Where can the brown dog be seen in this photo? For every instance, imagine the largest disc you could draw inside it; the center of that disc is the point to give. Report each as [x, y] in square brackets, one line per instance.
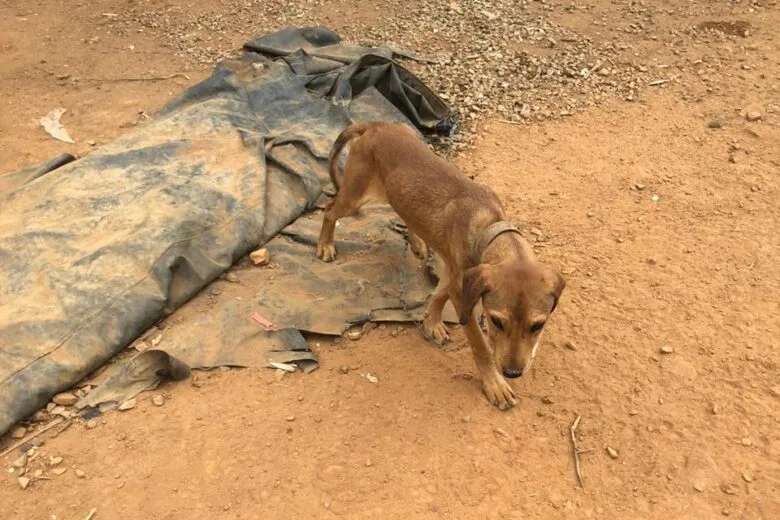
[481, 255]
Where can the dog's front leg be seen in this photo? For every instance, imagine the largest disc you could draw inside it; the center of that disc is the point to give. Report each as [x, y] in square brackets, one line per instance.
[496, 388]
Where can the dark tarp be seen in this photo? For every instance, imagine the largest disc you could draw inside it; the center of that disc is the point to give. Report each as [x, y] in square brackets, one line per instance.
[95, 251]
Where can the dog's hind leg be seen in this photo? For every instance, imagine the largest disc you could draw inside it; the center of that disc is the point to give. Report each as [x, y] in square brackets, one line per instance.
[353, 193]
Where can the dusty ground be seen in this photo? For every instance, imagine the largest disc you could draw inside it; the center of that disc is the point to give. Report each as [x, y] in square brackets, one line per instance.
[665, 228]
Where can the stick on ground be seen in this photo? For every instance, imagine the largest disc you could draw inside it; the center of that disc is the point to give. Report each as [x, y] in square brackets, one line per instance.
[577, 450]
[49, 426]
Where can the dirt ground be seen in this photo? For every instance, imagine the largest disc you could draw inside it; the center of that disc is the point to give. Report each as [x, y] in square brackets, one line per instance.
[662, 212]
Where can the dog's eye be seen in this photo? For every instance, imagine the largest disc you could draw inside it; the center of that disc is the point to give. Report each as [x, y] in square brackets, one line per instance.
[536, 327]
[497, 324]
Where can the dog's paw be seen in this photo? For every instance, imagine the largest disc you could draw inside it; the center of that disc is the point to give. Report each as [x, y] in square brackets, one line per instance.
[418, 247]
[436, 331]
[326, 252]
[498, 392]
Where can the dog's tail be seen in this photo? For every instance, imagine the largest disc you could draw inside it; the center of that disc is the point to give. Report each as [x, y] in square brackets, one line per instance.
[353, 131]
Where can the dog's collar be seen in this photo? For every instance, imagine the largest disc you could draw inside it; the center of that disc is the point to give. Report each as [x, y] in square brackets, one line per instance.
[490, 234]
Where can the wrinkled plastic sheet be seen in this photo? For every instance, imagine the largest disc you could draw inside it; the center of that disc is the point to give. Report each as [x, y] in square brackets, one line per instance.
[94, 251]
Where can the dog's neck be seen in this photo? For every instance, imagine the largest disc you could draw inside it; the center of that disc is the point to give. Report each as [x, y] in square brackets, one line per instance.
[487, 237]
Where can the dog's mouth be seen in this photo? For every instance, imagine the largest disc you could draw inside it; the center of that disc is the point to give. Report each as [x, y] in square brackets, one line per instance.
[511, 373]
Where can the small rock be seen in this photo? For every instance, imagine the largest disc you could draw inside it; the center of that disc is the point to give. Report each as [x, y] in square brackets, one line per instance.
[747, 441]
[65, 399]
[127, 405]
[547, 399]
[775, 390]
[23, 482]
[18, 432]
[570, 345]
[91, 424]
[613, 453]
[753, 115]
[715, 409]
[639, 186]
[231, 277]
[344, 369]
[40, 416]
[215, 291]
[158, 400]
[290, 418]
[260, 257]
[369, 463]
[747, 478]
[91, 142]
[55, 461]
[729, 490]
[699, 486]
[715, 123]
[59, 471]
[20, 462]
[725, 512]
[456, 8]
[38, 473]
[79, 473]
[371, 378]
[655, 198]
[354, 335]
[651, 261]
[666, 349]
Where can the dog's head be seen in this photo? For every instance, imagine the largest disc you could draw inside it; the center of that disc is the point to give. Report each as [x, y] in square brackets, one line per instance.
[518, 299]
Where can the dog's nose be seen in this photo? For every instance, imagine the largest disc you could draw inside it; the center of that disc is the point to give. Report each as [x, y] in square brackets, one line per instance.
[511, 373]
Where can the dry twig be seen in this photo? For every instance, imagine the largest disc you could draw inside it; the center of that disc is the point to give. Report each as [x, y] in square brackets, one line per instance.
[151, 78]
[577, 450]
[91, 514]
[49, 426]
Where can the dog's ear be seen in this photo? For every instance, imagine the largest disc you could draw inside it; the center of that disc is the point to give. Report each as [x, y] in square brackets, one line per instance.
[477, 281]
[558, 285]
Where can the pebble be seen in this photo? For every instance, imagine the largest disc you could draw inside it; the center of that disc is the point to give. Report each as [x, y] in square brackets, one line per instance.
[355, 335]
[215, 291]
[344, 369]
[59, 471]
[715, 123]
[55, 461]
[725, 512]
[369, 463]
[699, 486]
[639, 187]
[655, 198]
[666, 349]
[232, 278]
[775, 390]
[547, 399]
[20, 462]
[91, 142]
[753, 115]
[91, 424]
[747, 441]
[260, 257]
[290, 418]
[18, 432]
[79, 473]
[570, 345]
[715, 409]
[747, 478]
[23, 482]
[613, 453]
[158, 400]
[127, 405]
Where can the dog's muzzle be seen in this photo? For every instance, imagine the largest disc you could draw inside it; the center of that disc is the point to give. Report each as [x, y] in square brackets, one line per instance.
[511, 373]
